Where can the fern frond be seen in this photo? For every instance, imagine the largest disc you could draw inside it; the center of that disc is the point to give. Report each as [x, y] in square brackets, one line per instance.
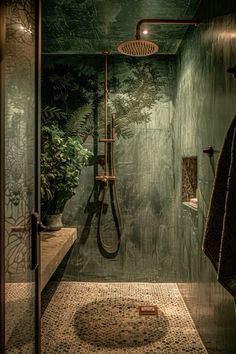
[77, 123]
[48, 113]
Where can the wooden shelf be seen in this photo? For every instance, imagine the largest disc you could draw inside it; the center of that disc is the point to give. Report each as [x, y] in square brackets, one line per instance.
[54, 247]
[193, 206]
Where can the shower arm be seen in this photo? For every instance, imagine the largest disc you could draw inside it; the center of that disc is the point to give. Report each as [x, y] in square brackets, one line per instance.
[162, 22]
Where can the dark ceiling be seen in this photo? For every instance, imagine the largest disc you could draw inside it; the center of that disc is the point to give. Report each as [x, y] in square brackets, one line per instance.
[94, 26]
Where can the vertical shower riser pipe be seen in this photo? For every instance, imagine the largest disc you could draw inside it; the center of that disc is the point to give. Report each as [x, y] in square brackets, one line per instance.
[105, 110]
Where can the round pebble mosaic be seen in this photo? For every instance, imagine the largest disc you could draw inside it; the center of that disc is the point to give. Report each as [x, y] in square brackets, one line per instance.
[104, 318]
[116, 323]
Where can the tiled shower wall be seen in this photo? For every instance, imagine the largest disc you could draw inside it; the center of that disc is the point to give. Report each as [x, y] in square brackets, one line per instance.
[204, 107]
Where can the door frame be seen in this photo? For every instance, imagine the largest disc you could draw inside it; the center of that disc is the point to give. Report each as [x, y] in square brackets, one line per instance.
[2, 185]
[38, 63]
[38, 40]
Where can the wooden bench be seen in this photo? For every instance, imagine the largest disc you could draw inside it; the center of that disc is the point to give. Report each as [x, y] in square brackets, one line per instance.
[54, 247]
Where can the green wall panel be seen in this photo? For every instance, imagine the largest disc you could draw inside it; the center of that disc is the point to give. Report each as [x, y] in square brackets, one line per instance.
[204, 107]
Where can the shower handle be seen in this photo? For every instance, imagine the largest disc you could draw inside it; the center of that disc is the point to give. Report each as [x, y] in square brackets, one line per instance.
[35, 240]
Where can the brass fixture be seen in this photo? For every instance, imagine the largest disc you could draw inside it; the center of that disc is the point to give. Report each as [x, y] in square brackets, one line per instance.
[139, 47]
[103, 140]
[148, 310]
[105, 178]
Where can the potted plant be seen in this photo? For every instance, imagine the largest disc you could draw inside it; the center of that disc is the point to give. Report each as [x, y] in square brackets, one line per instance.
[62, 159]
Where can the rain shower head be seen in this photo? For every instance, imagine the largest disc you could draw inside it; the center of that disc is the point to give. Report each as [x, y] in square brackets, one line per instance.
[139, 47]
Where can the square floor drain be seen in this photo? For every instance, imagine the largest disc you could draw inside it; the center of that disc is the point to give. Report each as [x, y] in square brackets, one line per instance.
[148, 310]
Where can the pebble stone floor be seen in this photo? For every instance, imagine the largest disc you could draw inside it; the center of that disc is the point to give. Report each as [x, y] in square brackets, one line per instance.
[19, 314]
[88, 318]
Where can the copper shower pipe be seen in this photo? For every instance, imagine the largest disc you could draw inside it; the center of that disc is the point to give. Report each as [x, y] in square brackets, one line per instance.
[162, 22]
[105, 110]
[106, 177]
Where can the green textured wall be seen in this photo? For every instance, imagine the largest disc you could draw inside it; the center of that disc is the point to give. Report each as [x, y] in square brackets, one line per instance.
[92, 26]
[142, 90]
[204, 107]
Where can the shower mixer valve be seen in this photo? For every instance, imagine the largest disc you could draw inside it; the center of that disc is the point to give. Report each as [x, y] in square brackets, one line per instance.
[105, 179]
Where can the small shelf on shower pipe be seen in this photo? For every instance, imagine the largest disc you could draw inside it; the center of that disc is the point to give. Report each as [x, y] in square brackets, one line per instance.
[103, 140]
[54, 247]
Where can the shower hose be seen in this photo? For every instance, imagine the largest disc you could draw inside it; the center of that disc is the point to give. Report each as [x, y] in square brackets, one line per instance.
[108, 185]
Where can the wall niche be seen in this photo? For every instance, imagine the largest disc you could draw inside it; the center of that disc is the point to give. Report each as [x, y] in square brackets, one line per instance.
[189, 181]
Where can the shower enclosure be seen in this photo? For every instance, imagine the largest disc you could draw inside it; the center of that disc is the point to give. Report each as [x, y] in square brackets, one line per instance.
[168, 108]
[19, 73]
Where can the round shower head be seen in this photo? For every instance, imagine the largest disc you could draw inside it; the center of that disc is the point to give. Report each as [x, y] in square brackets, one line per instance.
[137, 48]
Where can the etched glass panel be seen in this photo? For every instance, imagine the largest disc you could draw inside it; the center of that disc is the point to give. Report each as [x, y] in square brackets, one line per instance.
[19, 174]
